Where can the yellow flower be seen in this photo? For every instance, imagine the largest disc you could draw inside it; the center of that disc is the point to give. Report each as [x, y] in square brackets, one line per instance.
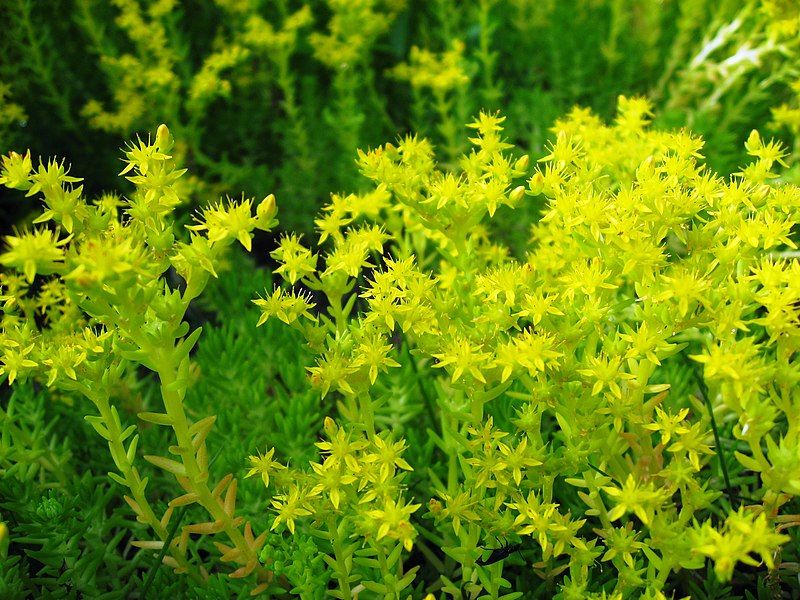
[668, 424]
[439, 72]
[16, 362]
[645, 342]
[332, 221]
[349, 257]
[606, 370]
[692, 441]
[622, 541]
[563, 152]
[465, 357]
[340, 448]
[34, 252]
[51, 177]
[393, 521]
[64, 359]
[263, 465]
[296, 260]
[332, 477]
[373, 352]
[685, 285]
[16, 171]
[387, 456]
[518, 459]
[536, 351]
[291, 506]
[743, 534]
[633, 114]
[111, 259]
[235, 221]
[288, 307]
[633, 497]
[537, 305]
[535, 517]
[332, 371]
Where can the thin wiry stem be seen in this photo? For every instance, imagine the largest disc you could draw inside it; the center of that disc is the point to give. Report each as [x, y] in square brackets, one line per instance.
[703, 389]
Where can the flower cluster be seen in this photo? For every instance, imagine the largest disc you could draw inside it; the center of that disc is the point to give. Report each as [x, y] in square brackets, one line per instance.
[437, 72]
[352, 29]
[656, 302]
[356, 489]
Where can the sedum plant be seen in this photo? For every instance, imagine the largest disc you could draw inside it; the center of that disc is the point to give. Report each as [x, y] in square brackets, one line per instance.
[98, 289]
[609, 414]
[595, 419]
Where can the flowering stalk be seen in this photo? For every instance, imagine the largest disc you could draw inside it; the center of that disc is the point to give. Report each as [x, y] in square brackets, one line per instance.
[109, 309]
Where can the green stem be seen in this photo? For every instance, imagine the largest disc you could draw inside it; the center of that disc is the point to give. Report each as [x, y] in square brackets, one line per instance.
[172, 531]
[131, 477]
[386, 575]
[476, 406]
[195, 473]
[447, 125]
[335, 309]
[486, 56]
[618, 18]
[296, 135]
[452, 454]
[342, 572]
[601, 507]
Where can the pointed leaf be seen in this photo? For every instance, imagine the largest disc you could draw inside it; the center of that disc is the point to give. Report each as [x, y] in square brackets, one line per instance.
[117, 478]
[171, 466]
[99, 426]
[185, 347]
[156, 418]
[184, 500]
[127, 433]
[131, 453]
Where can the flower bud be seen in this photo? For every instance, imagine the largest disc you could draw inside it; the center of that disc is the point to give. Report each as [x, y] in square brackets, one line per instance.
[160, 240]
[329, 426]
[435, 507]
[164, 140]
[753, 143]
[516, 194]
[646, 169]
[265, 213]
[536, 183]
[167, 306]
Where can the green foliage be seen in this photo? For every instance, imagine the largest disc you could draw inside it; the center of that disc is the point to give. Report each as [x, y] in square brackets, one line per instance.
[29, 449]
[67, 536]
[549, 354]
[740, 70]
[69, 539]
